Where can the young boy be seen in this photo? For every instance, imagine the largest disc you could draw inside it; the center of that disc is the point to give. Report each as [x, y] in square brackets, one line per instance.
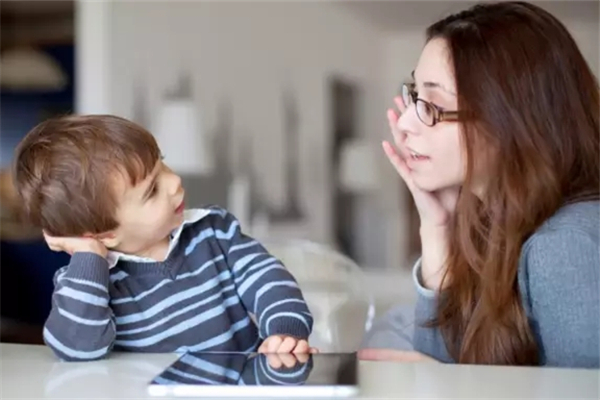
[145, 274]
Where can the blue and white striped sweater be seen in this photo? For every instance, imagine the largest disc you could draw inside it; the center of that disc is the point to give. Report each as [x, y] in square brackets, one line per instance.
[198, 299]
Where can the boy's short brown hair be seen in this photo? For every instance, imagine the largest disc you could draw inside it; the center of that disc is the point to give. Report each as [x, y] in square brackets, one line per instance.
[64, 171]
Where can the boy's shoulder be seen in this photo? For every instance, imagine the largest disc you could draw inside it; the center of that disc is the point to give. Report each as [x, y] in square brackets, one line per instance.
[207, 223]
[211, 216]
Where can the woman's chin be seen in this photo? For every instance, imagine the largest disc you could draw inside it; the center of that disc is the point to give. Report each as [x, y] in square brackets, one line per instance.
[431, 184]
[427, 185]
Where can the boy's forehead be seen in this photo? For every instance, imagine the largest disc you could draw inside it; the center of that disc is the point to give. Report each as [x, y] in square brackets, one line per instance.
[124, 186]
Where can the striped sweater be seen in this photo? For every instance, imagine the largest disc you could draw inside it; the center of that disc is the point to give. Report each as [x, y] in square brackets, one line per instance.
[214, 282]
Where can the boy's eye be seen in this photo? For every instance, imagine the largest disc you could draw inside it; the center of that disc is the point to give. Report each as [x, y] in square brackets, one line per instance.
[154, 190]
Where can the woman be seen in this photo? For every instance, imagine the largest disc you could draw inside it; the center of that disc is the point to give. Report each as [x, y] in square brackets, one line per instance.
[498, 143]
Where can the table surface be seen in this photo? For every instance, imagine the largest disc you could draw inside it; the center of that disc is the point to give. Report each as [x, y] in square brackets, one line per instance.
[29, 371]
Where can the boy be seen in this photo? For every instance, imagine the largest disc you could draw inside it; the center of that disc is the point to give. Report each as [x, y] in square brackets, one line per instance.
[146, 275]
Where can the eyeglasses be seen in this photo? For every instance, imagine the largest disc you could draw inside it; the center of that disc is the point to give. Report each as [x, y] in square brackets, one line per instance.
[428, 113]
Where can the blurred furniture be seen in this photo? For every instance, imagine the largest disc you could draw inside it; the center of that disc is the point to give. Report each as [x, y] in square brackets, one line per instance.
[178, 128]
[334, 289]
[27, 270]
[32, 372]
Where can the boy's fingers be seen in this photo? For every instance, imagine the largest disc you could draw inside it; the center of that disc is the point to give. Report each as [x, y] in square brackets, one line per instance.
[274, 360]
[301, 347]
[274, 344]
[302, 357]
[287, 345]
[264, 346]
[289, 360]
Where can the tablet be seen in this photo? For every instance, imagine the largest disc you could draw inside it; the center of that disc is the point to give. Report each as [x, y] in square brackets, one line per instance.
[258, 375]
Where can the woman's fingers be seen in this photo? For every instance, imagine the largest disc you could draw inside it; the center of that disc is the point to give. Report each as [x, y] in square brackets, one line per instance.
[398, 163]
[448, 198]
[393, 124]
[392, 355]
[400, 104]
[428, 205]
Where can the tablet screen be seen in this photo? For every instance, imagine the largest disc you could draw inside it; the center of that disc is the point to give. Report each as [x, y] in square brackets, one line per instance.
[238, 374]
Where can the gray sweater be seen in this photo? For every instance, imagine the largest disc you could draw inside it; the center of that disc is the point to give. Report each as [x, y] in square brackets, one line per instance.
[559, 282]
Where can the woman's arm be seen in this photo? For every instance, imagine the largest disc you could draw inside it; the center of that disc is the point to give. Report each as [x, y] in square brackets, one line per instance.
[427, 340]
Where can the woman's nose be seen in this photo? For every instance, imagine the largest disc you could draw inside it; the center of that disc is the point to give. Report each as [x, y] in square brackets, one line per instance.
[409, 123]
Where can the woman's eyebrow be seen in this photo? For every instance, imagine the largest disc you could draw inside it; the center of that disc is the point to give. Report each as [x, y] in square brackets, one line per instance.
[434, 85]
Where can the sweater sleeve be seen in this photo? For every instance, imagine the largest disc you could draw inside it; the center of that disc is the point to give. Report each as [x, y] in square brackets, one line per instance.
[80, 326]
[426, 340]
[559, 284]
[267, 289]
[393, 330]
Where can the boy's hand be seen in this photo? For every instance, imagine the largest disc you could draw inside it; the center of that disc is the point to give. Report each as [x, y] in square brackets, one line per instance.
[73, 245]
[286, 344]
[287, 360]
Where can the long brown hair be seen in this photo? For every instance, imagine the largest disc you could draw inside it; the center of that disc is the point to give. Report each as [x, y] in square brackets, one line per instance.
[531, 106]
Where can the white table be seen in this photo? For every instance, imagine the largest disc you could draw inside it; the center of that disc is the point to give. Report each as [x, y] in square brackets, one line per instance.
[32, 372]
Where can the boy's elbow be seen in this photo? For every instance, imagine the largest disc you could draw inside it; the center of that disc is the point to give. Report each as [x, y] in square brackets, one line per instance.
[72, 355]
[74, 358]
[77, 350]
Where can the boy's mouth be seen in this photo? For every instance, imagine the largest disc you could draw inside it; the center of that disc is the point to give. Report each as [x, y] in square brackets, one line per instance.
[180, 209]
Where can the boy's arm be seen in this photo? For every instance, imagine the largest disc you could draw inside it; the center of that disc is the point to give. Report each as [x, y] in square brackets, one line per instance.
[267, 289]
[81, 326]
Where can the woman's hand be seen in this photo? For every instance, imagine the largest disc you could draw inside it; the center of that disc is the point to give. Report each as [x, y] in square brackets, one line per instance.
[393, 355]
[435, 208]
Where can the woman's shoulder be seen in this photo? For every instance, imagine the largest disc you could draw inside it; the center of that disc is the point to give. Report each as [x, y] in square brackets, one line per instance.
[567, 243]
[582, 218]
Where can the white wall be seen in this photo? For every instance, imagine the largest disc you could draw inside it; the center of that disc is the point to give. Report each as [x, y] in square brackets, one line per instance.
[587, 35]
[246, 54]
[93, 48]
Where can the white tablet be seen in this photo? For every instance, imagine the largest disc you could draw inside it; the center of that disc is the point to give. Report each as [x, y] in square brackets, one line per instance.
[258, 375]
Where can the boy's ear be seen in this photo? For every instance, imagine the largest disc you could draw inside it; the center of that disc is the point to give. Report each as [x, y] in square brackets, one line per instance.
[108, 239]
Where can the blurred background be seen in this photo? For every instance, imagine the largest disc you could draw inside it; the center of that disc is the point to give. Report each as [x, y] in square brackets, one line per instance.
[275, 110]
